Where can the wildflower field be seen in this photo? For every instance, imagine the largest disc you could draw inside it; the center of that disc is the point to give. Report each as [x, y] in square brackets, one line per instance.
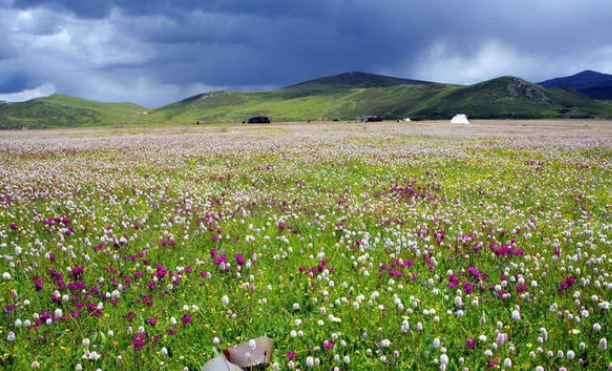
[422, 246]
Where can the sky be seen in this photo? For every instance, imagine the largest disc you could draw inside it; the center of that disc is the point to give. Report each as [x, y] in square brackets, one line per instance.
[159, 51]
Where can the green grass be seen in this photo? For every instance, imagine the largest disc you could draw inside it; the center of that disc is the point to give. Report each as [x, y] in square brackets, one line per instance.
[62, 111]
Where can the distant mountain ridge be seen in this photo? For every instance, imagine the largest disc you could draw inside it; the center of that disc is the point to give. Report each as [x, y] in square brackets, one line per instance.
[358, 79]
[356, 94]
[345, 96]
[593, 84]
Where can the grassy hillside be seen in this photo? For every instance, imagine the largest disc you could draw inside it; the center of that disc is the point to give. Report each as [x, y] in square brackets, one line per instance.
[349, 96]
[346, 96]
[64, 111]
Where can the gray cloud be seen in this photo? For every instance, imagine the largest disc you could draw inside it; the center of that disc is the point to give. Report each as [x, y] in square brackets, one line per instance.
[162, 51]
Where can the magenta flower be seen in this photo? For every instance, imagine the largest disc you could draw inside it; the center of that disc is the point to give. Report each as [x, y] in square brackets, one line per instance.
[240, 259]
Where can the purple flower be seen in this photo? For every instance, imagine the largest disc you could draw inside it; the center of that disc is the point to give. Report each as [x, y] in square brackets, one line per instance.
[240, 259]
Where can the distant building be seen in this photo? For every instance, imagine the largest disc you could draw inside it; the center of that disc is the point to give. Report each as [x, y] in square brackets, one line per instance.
[259, 120]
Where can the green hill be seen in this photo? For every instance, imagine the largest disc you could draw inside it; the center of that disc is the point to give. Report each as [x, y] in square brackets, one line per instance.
[346, 96]
[62, 111]
[353, 95]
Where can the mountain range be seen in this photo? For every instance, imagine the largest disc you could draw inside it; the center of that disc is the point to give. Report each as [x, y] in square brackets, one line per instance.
[593, 84]
[345, 96]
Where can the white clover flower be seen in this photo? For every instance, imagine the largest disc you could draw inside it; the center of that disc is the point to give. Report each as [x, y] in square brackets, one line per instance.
[444, 359]
[309, 361]
[225, 300]
[603, 344]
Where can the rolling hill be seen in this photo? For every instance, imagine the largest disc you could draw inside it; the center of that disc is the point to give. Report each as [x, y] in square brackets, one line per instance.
[62, 111]
[352, 95]
[346, 96]
[593, 84]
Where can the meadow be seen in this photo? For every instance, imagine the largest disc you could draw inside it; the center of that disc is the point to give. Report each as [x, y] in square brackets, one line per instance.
[394, 246]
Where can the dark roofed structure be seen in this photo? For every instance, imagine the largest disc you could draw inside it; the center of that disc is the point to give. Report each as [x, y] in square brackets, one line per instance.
[259, 120]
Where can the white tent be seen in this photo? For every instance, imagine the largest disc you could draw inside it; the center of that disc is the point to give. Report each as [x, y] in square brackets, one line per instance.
[460, 119]
[407, 119]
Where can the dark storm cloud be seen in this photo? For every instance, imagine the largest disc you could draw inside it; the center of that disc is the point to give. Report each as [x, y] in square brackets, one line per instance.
[153, 52]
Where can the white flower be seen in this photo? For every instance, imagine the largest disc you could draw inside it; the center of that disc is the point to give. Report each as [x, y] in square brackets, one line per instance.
[597, 327]
[216, 340]
[570, 354]
[347, 359]
[86, 342]
[225, 300]
[11, 336]
[603, 344]
[385, 343]
[164, 351]
[6, 276]
[58, 313]
[252, 344]
[436, 343]
[516, 315]
[309, 361]
[508, 363]
[444, 359]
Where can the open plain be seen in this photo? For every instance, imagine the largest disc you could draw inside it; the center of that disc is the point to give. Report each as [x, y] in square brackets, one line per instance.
[419, 245]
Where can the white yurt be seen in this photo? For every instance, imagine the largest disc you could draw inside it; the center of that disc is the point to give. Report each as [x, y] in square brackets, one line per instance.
[460, 119]
[407, 119]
